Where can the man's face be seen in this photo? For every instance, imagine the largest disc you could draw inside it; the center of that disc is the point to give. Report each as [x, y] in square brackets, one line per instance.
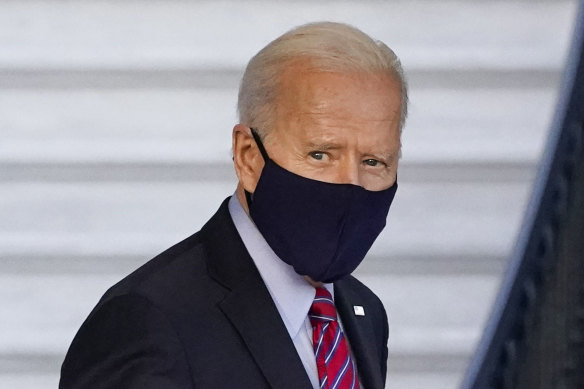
[339, 128]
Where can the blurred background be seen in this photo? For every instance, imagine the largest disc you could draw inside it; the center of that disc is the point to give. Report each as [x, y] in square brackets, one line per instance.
[115, 134]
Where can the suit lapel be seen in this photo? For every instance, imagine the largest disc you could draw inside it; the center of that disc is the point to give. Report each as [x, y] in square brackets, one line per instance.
[249, 306]
[359, 331]
[259, 324]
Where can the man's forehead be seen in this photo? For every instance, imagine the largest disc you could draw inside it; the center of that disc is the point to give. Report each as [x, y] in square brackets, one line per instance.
[312, 92]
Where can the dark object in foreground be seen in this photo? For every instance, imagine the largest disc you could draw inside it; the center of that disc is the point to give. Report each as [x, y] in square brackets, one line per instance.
[535, 336]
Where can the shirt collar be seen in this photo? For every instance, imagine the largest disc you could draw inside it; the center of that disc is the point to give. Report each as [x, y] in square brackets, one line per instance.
[292, 294]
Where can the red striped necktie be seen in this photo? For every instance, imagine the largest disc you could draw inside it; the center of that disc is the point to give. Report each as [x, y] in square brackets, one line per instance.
[333, 359]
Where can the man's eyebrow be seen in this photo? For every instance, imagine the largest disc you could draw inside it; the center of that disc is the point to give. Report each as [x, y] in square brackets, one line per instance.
[382, 153]
[324, 146]
[392, 155]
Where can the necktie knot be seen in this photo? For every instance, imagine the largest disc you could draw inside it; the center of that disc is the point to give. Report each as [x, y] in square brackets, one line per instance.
[323, 307]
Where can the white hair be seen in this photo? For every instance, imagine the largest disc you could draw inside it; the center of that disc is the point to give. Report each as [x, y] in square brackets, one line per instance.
[329, 46]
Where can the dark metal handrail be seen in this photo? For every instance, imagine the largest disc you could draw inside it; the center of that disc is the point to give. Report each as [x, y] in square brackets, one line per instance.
[535, 335]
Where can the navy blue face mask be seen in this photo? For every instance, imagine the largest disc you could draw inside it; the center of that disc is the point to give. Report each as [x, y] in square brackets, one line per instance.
[323, 230]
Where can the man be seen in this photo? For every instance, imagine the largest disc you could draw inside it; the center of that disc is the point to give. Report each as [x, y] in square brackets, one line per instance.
[247, 302]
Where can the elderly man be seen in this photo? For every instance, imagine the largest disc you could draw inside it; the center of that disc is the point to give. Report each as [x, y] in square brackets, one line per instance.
[262, 296]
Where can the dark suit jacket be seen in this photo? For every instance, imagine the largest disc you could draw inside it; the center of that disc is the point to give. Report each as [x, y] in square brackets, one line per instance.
[199, 316]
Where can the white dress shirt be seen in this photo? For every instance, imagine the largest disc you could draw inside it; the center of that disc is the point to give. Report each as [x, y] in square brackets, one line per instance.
[291, 293]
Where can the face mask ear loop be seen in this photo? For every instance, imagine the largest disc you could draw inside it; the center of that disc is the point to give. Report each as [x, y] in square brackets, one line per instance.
[258, 141]
[256, 137]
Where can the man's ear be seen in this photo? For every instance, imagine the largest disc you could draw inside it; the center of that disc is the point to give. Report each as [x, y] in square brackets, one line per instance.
[247, 158]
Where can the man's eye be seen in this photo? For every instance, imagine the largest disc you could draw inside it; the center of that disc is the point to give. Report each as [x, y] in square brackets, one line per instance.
[318, 155]
[371, 162]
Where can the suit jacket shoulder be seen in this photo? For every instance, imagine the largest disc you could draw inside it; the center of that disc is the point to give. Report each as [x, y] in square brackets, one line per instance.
[187, 319]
